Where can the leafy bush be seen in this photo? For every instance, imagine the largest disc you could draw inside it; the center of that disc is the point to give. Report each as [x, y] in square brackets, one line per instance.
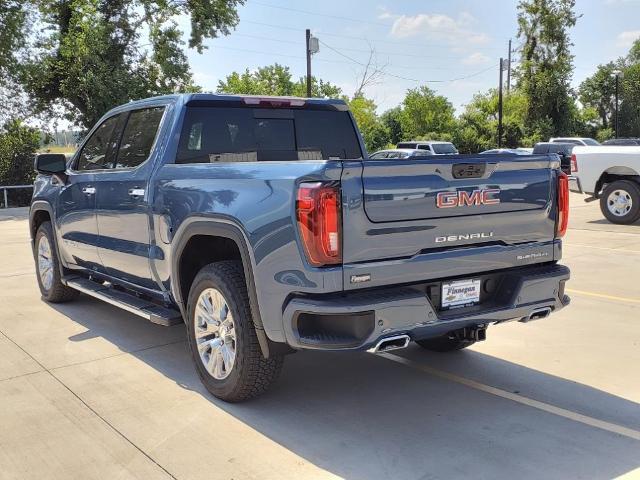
[18, 144]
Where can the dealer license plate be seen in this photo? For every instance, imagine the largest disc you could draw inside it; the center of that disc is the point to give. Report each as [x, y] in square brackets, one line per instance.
[461, 293]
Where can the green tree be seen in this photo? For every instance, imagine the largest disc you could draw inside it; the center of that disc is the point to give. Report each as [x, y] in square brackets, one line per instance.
[13, 23]
[425, 114]
[598, 92]
[391, 120]
[477, 127]
[374, 132]
[90, 55]
[275, 79]
[630, 101]
[544, 74]
[18, 144]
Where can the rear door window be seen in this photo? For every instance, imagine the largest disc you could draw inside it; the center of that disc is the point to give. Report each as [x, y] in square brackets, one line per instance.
[138, 137]
[228, 134]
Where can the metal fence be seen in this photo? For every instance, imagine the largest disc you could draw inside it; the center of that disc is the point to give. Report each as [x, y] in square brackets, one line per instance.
[5, 189]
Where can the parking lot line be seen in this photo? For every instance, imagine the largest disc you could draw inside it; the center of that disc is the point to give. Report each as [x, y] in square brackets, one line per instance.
[597, 230]
[608, 249]
[545, 407]
[602, 295]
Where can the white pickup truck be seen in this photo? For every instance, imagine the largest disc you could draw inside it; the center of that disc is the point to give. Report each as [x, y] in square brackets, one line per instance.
[612, 175]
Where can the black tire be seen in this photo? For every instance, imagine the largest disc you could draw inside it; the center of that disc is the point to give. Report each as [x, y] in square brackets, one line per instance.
[56, 292]
[627, 188]
[251, 373]
[444, 344]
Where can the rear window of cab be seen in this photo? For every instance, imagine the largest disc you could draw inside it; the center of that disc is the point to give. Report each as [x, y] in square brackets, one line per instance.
[230, 134]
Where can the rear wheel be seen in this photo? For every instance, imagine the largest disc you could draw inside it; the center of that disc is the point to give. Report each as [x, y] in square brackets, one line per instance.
[620, 202]
[445, 343]
[48, 268]
[222, 338]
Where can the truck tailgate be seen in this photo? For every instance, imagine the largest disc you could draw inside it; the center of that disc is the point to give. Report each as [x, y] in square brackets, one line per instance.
[463, 211]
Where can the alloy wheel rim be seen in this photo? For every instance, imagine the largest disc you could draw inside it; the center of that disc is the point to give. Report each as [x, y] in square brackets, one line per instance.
[45, 263]
[215, 333]
[619, 203]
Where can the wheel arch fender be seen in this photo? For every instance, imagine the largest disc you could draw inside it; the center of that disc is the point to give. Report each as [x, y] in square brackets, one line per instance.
[36, 209]
[217, 226]
[617, 172]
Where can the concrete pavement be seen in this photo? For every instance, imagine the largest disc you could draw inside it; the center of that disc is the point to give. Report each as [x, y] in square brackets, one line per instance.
[89, 391]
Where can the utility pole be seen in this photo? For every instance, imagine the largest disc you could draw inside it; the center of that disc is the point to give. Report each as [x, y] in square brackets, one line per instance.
[617, 92]
[313, 46]
[500, 105]
[509, 69]
[308, 36]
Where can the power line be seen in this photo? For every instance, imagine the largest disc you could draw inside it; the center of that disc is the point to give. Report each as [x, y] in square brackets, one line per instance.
[317, 14]
[363, 65]
[352, 37]
[348, 19]
[406, 78]
[358, 50]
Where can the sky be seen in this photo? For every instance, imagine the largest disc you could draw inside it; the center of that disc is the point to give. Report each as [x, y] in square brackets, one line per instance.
[453, 46]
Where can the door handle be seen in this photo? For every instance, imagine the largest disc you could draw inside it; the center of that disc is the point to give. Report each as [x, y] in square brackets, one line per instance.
[136, 192]
[89, 190]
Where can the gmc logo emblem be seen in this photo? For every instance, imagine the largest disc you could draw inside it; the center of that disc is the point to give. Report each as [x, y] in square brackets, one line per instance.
[466, 199]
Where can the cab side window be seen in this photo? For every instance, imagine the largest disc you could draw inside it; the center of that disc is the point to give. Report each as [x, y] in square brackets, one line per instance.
[95, 153]
[138, 137]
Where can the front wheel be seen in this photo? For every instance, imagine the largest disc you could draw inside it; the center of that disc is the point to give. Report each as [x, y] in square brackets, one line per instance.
[222, 338]
[48, 267]
[445, 343]
[620, 202]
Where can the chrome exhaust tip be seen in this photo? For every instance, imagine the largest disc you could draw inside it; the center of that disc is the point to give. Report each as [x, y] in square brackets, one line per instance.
[390, 343]
[537, 314]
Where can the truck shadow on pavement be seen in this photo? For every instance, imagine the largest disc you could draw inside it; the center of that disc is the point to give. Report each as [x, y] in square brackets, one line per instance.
[361, 416]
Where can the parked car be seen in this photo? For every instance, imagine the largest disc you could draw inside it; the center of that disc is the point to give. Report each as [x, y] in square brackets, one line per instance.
[563, 150]
[622, 141]
[261, 223]
[432, 147]
[506, 151]
[576, 141]
[610, 174]
[400, 153]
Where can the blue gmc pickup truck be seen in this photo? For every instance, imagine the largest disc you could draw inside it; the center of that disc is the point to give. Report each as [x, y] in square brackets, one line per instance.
[261, 223]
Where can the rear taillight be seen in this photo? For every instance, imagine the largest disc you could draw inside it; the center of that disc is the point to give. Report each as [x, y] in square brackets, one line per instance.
[563, 204]
[574, 163]
[319, 223]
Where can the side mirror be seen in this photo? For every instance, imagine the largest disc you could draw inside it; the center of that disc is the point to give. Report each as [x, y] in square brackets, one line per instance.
[51, 163]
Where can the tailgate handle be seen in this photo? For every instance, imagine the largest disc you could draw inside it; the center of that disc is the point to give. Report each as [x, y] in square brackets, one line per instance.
[469, 170]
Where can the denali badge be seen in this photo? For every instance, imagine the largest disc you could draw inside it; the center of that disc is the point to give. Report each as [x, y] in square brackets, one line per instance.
[464, 236]
[466, 199]
[532, 256]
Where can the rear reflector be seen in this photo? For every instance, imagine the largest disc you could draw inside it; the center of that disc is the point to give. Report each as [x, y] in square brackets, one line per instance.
[563, 205]
[574, 163]
[319, 223]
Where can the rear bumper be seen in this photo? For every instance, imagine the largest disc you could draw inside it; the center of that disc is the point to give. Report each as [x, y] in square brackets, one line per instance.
[575, 185]
[358, 320]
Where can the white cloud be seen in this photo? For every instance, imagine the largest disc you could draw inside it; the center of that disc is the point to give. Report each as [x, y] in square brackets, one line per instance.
[437, 26]
[626, 39]
[476, 58]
